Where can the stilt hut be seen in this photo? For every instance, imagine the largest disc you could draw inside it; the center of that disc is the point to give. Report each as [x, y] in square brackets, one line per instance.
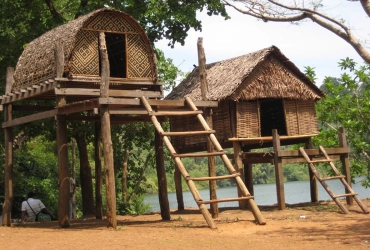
[103, 54]
[261, 96]
[256, 92]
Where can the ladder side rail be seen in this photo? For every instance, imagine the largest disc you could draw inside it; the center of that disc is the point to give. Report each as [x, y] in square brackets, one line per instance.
[254, 208]
[323, 183]
[194, 191]
[331, 162]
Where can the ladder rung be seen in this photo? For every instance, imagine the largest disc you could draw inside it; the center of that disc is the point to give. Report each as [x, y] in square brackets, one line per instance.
[333, 177]
[200, 154]
[225, 200]
[344, 195]
[318, 161]
[187, 133]
[176, 113]
[211, 178]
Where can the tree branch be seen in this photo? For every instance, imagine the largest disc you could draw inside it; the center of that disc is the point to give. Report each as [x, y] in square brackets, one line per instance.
[56, 16]
[275, 11]
[366, 6]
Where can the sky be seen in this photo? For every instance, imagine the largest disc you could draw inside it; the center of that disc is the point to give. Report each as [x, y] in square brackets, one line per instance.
[307, 44]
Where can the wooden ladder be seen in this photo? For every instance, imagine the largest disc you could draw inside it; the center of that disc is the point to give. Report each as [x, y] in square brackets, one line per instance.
[218, 152]
[338, 175]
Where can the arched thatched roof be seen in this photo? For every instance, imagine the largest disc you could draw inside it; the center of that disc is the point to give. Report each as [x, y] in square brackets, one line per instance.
[266, 73]
[79, 39]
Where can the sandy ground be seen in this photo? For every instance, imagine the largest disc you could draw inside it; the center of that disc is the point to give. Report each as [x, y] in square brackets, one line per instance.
[303, 226]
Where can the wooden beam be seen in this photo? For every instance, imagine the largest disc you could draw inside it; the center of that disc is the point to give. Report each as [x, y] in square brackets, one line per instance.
[78, 107]
[313, 152]
[270, 138]
[154, 102]
[30, 118]
[302, 160]
[112, 92]
[27, 93]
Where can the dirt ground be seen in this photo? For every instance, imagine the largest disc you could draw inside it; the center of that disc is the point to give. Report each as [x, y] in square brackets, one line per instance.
[302, 226]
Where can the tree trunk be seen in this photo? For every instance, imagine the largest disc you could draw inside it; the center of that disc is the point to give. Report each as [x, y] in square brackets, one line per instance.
[124, 175]
[88, 208]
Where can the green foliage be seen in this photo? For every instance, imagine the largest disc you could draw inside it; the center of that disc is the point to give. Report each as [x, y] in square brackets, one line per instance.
[347, 105]
[137, 206]
[36, 169]
[310, 73]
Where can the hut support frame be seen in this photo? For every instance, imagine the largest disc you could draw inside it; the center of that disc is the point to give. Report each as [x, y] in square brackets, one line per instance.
[280, 157]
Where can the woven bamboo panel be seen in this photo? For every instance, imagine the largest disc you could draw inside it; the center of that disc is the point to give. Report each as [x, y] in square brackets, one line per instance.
[138, 57]
[291, 117]
[113, 22]
[184, 124]
[85, 55]
[221, 121]
[247, 116]
[307, 117]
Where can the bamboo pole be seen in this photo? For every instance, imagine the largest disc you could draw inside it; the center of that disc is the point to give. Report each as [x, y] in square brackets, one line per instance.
[208, 113]
[106, 136]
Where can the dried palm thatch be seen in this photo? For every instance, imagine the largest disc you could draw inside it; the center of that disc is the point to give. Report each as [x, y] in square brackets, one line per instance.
[79, 39]
[266, 73]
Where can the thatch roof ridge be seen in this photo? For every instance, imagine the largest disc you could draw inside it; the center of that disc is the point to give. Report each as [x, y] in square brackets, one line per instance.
[225, 77]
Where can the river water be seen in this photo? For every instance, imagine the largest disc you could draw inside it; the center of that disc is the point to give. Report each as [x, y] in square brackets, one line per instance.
[265, 194]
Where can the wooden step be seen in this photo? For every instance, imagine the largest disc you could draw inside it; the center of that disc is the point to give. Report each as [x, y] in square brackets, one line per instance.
[344, 195]
[225, 200]
[333, 177]
[199, 154]
[176, 113]
[320, 161]
[211, 178]
[188, 133]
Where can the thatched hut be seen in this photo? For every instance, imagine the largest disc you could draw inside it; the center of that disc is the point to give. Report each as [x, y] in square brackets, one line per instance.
[257, 92]
[130, 54]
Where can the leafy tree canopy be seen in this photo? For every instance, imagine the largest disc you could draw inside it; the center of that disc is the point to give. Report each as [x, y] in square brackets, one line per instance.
[347, 105]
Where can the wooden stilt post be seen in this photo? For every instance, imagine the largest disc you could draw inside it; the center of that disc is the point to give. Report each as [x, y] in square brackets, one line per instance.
[248, 176]
[74, 160]
[345, 163]
[106, 136]
[313, 181]
[98, 173]
[62, 141]
[239, 169]
[161, 176]
[8, 145]
[208, 118]
[278, 171]
[178, 186]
